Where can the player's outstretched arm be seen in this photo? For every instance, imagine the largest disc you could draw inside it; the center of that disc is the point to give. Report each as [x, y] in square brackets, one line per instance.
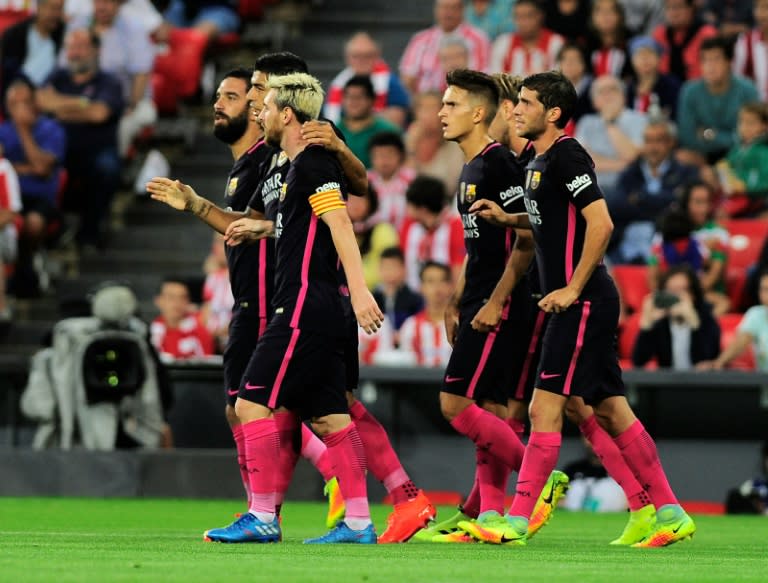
[247, 231]
[321, 133]
[494, 214]
[367, 311]
[183, 197]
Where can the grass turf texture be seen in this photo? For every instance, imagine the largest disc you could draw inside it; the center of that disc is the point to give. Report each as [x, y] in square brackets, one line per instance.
[102, 540]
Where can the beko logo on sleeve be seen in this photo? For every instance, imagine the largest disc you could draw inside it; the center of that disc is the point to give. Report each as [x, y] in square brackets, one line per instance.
[578, 184]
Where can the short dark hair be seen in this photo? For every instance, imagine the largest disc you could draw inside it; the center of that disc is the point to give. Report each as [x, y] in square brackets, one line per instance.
[554, 90]
[383, 139]
[239, 73]
[281, 63]
[436, 265]
[393, 253]
[479, 85]
[426, 192]
[675, 225]
[694, 285]
[177, 279]
[571, 46]
[722, 43]
[363, 81]
[685, 199]
[535, 3]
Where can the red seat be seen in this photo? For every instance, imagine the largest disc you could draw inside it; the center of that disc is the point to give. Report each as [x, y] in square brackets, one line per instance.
[182, 65]
[164, 94]
[252, 9]
[628, 332]
[9, 17]
[632, 281]
[746, 241]
[735, 284]
[729, 324]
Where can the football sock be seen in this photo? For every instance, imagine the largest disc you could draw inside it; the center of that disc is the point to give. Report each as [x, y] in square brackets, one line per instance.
[346, 452]
[471, 506]
[639, 451]
[517, 426]
[237, 434]
[381, 458]
[492, 476]
[605, 448]
[539, 461]
[314, 450]
[286, 424]
[490, 433]
[261, 455]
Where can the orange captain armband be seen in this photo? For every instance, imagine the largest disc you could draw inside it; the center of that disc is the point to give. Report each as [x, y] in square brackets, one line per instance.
[328, 200]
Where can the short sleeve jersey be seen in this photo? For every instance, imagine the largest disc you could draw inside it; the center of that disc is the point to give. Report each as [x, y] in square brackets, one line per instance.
[559, 184]
[306, 276]
[495, 175]
[251, 267]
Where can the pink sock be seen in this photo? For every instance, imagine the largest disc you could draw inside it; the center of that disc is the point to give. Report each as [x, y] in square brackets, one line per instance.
[639, 451]
[261, 457]
[471, 506]
[345, 448]
[614, 463]
[539, 461]
[492, 434]
[237, 433]
[314, 450]
[286, 424]
[492, 476]
[517, 426]
[381, 458]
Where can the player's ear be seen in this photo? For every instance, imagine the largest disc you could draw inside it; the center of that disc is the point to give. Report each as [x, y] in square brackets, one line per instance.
[554, 114]
[479, 114]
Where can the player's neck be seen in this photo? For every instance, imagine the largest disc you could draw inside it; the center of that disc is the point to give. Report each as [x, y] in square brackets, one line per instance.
[245, 143]
[546, 140]
[291, 142]
[474, 143]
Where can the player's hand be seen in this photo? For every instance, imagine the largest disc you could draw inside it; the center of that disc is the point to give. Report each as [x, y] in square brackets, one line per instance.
[490, 211]
[451, 323]
[172, 192]
[558, 300]
[488, 317]
[369, 316]
[320, 133]
[244, 229]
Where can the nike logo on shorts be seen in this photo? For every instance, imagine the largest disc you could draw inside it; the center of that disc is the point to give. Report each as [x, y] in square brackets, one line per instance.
[250, 387]
[232, 393]
[545, 375]
[450, 379]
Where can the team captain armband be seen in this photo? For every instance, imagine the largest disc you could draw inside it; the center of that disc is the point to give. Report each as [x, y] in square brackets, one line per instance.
[327, 200]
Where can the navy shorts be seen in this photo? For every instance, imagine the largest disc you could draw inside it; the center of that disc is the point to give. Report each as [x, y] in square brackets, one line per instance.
[579, 355]
[351, 356]
[484, 366]
[303, 371]
[245, 328]
[522, 388]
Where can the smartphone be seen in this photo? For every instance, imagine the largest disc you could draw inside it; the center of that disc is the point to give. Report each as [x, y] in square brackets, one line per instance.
[664, 299]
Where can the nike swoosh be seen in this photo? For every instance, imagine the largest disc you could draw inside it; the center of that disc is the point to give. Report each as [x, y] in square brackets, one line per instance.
[674, 530]
[453, 379]
[545, 376]
[232, 393]
[548, 499]
[251, 387]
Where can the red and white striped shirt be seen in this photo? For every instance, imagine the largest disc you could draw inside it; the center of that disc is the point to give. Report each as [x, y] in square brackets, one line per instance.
[189, 340]
[443, 245]
[379, 78]
[371, 345]
[391, 196]
[421, 58]
[10, 199]
[750, 58]
[610, 61]
[510, 55]
[426, 340]
[217, 293]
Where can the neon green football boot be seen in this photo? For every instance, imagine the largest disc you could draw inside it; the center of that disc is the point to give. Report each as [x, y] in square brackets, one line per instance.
[336, 506]
[447, 526]
[554, 489]
[640, 525]
[491, 527]
[672, 525]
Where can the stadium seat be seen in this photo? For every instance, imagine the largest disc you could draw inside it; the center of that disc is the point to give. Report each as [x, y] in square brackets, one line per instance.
[729, 324]
[182, 65]
[735, 284]
[746, 241]
[164, 94]
[250, 10]
[9, 17]
[628, 332]
[632, 281]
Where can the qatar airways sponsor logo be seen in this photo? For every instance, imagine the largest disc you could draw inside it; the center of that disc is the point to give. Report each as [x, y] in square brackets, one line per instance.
[471, 230]
[578, 184]
[270, 190]
[532, 206]
[278, 225]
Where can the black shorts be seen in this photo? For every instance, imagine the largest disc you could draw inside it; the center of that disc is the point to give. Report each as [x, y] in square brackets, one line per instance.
[245, 329]
[579, 354]
[303, 371]
[484, 366]
[522, 390]
[351, 356]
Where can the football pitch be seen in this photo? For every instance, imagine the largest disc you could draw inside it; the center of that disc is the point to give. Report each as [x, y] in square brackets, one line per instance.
[104, 540]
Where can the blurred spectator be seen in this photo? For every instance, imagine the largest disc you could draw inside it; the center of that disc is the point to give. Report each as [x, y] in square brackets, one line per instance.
[211, 17]
[613, 135]
[30, 47]
[88, 102]
[362, 56]
[590, 487]
[178, 332]
[143, 11]
[420, 67]
[750, 57]
[573, 64]
[36, 146]
[372, 238]
[607, 41]
[216, 311]
[493, 17]
[675, 245]
[125, 50]
[709, 107]
[532, 48]
[567, 18]
[390, 177]
[359, 123]
[744, 171]
[394, 297]
[428, 153]
[752, 496]
[432, 232]
[645, 189]
[730, 17]
[10, 207]
[643, 16]
[452, 54]
[677, 327]
[379, 348]
[650, 91]
[681, 36]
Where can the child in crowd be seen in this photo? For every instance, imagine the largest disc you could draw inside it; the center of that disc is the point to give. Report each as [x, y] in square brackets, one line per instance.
[390, 177]
[395, 298]
[10, 207]
[177, 332]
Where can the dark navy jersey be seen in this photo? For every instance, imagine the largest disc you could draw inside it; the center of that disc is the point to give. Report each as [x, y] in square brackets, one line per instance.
[267, 195]
[559, 184]
[494, 174]
[250, 272]
[306, 276]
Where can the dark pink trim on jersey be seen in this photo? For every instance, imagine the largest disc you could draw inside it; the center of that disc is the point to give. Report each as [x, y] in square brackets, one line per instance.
[490, 147]
[520, 391]
[508, 242]
[487, 347]
[570, 237]
[305, 271]
[272, 404]
[577, 349]
[255, 147]
[263, 279]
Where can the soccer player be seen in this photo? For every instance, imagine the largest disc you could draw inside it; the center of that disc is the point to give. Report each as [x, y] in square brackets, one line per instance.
[298, 364]
[571, 228]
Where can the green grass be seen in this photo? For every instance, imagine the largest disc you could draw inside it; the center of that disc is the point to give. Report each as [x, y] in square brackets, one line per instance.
[102, 540]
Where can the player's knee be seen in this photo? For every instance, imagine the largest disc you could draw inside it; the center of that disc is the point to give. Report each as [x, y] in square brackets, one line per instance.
[451, 406]
[576, 411]
[245, 411]
[545, 418]
[231, 415]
